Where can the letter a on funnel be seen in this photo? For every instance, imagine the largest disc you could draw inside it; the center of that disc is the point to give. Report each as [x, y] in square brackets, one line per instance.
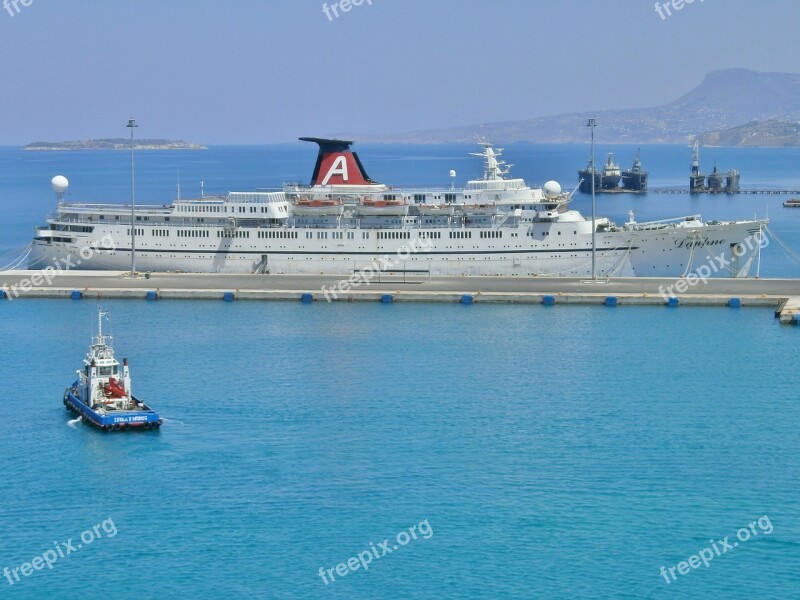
[337, 164]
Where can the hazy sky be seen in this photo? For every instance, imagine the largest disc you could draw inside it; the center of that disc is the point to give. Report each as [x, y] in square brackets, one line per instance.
[263, 71]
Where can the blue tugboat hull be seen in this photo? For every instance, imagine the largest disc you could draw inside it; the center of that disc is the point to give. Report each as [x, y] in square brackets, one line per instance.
[123, 420]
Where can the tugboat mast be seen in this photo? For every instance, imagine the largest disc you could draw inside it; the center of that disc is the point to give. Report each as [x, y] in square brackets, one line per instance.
[101, 340]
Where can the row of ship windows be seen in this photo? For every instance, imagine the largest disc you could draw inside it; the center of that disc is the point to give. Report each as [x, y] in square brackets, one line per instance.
[323, 235]
[219, 209]
[546, 233]
[335, 235]
[278, 234]
[77, 228]
[190, 208]
[420, 198]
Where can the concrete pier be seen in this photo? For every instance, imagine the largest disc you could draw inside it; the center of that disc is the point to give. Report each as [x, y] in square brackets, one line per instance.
[723, 191]
[781, 294]
[789, 310]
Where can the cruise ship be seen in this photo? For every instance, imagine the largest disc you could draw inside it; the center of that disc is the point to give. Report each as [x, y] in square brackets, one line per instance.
[343, 221]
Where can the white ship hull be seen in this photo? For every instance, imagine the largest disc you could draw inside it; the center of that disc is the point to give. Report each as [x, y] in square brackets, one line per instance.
[552, 250]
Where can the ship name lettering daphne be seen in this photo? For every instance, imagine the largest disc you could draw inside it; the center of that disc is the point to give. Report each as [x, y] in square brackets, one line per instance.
[697, 243]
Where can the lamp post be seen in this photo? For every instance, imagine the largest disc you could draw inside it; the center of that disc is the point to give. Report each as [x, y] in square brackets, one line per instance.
[132, 125]
[592, 124]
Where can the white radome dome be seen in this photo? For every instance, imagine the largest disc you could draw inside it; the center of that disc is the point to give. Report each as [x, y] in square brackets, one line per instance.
[59, 184]
[552, 189]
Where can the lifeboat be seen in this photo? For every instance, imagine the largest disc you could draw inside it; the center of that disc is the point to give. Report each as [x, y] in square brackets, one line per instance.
[387, 206]
[479, 209]
[444, 210]
[318, 206]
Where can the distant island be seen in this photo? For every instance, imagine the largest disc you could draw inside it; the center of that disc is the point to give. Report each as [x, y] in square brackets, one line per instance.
[115, 144]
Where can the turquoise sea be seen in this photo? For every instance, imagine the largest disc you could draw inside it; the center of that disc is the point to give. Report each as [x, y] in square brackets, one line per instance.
[537, 452]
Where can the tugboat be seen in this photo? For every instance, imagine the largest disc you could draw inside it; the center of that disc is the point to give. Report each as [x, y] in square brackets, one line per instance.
[611, 174]
[102, 395]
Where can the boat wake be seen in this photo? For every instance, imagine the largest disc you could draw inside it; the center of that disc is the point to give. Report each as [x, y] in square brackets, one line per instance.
[170, 421]
[73, 422]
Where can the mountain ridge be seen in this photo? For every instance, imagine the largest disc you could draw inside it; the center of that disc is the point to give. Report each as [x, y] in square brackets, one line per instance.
[724, 99]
